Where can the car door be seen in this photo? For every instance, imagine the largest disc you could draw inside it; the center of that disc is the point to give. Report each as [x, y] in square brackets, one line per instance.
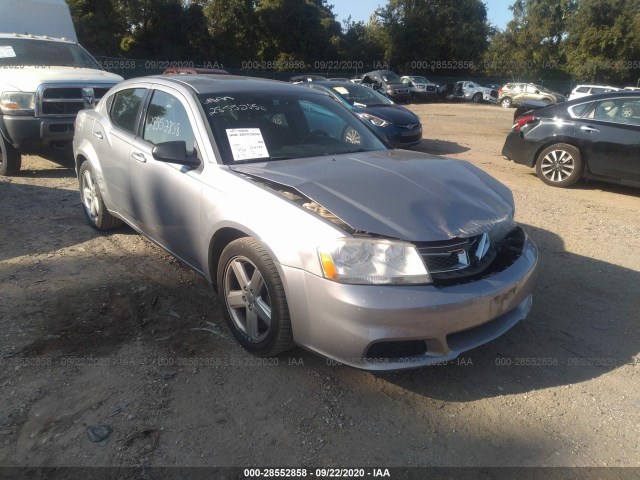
[113, 136]
[610, 134]
[166, 196]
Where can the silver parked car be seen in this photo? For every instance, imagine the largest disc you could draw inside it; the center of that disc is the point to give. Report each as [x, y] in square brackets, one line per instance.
[377, 258]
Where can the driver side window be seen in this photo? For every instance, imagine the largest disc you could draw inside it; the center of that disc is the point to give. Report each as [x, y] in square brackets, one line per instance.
[167, 121]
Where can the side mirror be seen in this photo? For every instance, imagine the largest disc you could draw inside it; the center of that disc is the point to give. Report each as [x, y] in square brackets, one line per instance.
[174, 152]
[537, 92]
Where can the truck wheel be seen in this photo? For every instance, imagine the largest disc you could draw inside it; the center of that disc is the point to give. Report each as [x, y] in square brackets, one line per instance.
[477, 97]
[10, 159]
[92, 204]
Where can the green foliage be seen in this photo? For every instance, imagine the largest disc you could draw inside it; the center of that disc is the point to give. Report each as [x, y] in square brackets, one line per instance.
[603, 42]
[591, 40]
[531, 44]
[433, 30]
[98, 25]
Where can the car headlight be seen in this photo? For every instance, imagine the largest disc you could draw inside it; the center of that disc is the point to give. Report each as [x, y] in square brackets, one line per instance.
[378, 122]
[363, 261]
[17, 103]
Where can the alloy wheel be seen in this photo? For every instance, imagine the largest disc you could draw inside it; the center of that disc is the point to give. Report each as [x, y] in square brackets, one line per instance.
[247, 298]
[90, 198]
[557, 165]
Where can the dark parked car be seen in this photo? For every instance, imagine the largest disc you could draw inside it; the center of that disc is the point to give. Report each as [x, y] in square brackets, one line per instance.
[380, 259]
[389, 84]
[399, 127]
[528, 107]
[592, 137]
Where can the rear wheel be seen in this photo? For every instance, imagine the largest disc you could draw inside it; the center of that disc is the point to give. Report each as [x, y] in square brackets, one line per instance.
[506, 102]
[559, 165]
[92, 204]
[256, 308]
[10, 159]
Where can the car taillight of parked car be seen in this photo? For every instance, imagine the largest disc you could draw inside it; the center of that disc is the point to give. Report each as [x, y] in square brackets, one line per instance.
[524, 120]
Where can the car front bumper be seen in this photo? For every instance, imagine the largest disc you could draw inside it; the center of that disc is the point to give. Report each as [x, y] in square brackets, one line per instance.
[27, 132]
[343, 322]
[400, 137]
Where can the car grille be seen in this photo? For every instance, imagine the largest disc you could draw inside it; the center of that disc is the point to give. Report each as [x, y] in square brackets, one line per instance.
[493, 94]
[67, 101]
[464, 260]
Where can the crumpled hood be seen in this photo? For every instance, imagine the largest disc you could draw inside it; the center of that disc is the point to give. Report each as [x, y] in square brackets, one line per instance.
[28, 79]
[396, 194]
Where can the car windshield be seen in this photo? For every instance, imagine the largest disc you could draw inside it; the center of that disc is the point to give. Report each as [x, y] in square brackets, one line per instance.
[359, 96]
[391, 77]
[25, 52]
[264, 126]
[419, 79]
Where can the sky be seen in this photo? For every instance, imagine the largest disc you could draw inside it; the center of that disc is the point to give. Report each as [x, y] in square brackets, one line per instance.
[498, 11]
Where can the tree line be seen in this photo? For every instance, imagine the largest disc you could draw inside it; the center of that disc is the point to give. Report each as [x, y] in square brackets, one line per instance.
[588, 40]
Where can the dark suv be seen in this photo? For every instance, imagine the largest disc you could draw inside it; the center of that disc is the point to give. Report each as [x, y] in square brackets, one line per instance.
[388, 83]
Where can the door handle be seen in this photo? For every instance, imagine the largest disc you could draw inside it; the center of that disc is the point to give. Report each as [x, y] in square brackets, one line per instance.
[139, 157]
[98, 134]
[589, 129]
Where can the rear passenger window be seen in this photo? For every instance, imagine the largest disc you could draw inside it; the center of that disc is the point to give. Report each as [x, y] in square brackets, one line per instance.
[579, 110]
[125, 109]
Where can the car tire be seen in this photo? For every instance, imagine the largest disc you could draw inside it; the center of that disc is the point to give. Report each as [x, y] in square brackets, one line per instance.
[10, 159]
[255, 305]
[92, 204]
[560, 165]
[351, 135]
[506, 102]
[477, 98]
[627, 111]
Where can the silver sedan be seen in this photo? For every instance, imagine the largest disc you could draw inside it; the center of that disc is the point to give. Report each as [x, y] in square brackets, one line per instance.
[377, 258]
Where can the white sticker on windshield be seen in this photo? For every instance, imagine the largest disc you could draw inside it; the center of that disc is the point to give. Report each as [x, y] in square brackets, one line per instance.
[246, 143]
[7, 52]
[341, 90]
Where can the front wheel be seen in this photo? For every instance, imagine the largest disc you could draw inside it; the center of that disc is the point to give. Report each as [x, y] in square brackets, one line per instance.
[92, 203]
[10, 158]
[255, 305]
[506, 102]
[627, 111]
[559, 165]
[477, 98]
[351, 135]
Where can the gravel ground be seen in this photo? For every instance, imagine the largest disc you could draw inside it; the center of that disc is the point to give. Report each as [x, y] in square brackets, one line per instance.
[109, 330]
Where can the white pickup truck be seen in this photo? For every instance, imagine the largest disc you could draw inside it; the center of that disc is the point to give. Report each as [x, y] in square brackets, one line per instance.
[474, 92]
[44, 81]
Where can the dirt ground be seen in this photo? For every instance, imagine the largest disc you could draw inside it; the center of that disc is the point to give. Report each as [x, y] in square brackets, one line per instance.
[107, 329]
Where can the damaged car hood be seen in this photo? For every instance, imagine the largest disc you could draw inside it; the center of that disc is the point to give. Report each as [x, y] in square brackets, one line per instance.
[397, 193]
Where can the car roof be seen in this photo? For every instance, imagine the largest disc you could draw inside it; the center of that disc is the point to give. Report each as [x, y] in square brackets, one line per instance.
[37, 37]
[207, 84]
[335, 83]
[602, 96]
[588, 85]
